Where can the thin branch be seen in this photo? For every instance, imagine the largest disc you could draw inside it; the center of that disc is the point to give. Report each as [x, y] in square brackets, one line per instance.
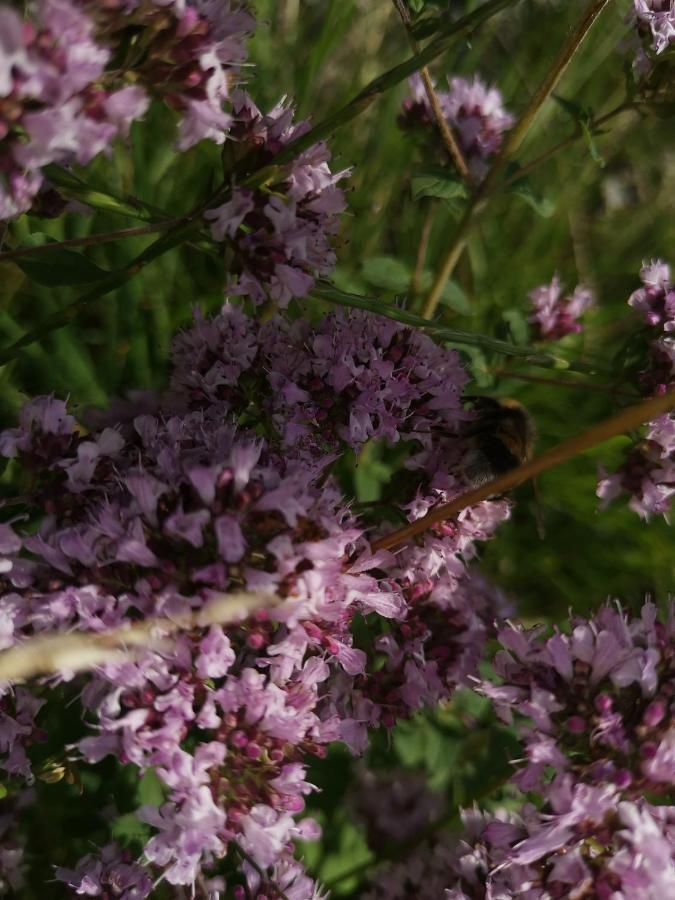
[374, 89]
[416, 277]
[510, 146]
[447, 135]
[530, 355]
[46, 654]
[566, 383]
[102, 238]
[626, 420]
[261, 874]
[567, 142]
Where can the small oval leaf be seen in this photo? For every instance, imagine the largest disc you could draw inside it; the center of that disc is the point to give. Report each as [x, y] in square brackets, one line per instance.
[436, 181]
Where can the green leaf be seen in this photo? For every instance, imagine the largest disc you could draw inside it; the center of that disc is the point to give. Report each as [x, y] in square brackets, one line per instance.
[3, 791]
[386, 272]
[58, 266]
[150, 791]
[409, 742]
[436, 181]
[454, 297]
[590, 143]
[128, 829]
[541, 205]
[577, 112]
[415, 6]
[517, 324]
[481, 373]
[584, 117]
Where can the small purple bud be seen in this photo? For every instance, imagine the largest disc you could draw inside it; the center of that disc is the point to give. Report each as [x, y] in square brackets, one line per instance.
[238, 739]
[576, 724]
[654, 713]
[623, 779]
[649, 749]
[603, 703]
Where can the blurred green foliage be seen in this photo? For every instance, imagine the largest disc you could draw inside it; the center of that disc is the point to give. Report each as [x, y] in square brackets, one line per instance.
[608, 206]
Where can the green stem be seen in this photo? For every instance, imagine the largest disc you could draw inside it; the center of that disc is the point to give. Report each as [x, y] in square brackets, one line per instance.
[73, 187]
[532, 356]
[265, 881]
[572, 385]
[510, 146]
[89, 239]
[628, 419]
[567, 142]
[368, 95]
[447, 135]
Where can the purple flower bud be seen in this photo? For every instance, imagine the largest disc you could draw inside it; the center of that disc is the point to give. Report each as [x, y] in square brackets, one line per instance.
[654, 713]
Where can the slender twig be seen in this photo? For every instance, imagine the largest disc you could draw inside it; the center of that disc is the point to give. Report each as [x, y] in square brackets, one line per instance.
[374, 89]
[510, 146]
[48, 653]
[416, 277]
[101, 238]
[530, 355]
[72, 186]
[566, 383]
[624, 421]
[567, 142]
[263, 877]
[444, 127]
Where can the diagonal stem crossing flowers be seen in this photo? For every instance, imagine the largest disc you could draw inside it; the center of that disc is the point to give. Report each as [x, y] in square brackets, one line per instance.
[511, 145]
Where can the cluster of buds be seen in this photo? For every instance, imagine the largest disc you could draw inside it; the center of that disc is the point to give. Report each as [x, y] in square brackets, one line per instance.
[648, 473]
[595, 709]
[554, 315]
[279, 236]
[474, 112]
[65, 93]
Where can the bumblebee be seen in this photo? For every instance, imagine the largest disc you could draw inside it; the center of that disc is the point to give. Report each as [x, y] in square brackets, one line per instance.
[499, 439]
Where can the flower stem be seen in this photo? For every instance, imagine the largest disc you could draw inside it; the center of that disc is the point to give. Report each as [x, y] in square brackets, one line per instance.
[328, 292]
[567, 142]
[566, 383]
[89, 239]
[624, 421]
[510, 146]
[371, 92]
[447, 135]
[416, 277]
[264, 880]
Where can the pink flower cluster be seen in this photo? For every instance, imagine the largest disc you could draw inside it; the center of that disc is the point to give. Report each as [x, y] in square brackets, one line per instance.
[474, 111]
[554, 316]
[192, 57]
[279, 235]
[648, 473]
[595, 708]
[159, 514]
[352, 378]
[656, 20]
[61, 100]
[656, 298]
